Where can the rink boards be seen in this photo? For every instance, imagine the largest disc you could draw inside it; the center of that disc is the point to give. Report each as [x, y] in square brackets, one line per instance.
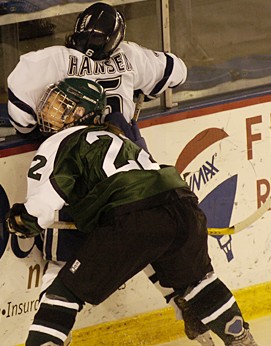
[223, 151]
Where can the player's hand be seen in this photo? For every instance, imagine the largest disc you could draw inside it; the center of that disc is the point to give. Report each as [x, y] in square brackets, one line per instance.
[20, 223]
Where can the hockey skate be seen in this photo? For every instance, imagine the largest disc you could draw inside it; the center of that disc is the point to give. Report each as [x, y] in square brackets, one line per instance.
[246, 339]
[205, 339]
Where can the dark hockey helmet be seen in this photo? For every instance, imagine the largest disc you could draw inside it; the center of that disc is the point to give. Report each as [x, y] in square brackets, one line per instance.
[98, 31]
[71, 102]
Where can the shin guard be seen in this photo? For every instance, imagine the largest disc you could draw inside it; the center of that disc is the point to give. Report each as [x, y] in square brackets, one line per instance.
[214, 305]
[55, 316]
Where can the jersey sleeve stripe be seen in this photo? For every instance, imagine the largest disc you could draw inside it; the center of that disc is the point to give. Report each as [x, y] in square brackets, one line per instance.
[17, 125]
[168, 71]
[20, 104]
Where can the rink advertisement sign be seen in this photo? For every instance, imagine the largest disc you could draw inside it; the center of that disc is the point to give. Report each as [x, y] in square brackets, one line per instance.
[225, 159]
[227, 167]
[21, 271]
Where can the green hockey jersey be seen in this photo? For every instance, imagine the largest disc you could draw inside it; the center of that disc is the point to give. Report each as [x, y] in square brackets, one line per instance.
[93, 170]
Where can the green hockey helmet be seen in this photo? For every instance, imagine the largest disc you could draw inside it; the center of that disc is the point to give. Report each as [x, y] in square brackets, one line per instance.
[71, 102]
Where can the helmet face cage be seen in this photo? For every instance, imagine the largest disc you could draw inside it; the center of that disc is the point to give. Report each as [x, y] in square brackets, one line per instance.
[54, 109]
[71, 102]
[98, 31]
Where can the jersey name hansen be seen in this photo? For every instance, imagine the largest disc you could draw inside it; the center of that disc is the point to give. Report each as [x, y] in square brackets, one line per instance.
[118, 63]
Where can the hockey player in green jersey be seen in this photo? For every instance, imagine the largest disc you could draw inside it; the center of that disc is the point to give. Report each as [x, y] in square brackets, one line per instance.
[133, 212]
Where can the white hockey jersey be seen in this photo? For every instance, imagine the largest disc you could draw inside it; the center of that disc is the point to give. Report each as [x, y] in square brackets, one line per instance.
[131, 67]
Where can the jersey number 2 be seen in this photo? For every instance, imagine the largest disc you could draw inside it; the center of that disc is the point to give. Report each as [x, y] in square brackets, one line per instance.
[32, 173]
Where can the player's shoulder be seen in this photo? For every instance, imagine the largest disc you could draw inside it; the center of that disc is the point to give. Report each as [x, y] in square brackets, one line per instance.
[52, 143]
[45, 53]
[128, 46]
[133, 49]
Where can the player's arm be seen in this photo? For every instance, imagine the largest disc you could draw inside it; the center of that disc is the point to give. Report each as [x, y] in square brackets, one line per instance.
[22, 116]
[26, 83]
[43, 197]
[22, 97]
[156, 71]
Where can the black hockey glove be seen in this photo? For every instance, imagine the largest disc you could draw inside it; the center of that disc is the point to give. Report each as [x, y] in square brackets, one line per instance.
[21, 223]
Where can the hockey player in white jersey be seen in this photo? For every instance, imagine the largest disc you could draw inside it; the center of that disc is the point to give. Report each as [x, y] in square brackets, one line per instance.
[96, 51]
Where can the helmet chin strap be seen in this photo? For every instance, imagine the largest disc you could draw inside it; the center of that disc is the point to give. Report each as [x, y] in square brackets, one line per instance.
[85, 120]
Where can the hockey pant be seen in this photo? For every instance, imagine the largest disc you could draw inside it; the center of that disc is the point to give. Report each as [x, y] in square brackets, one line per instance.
[196, 240]
[54, 267]
[133, 238]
